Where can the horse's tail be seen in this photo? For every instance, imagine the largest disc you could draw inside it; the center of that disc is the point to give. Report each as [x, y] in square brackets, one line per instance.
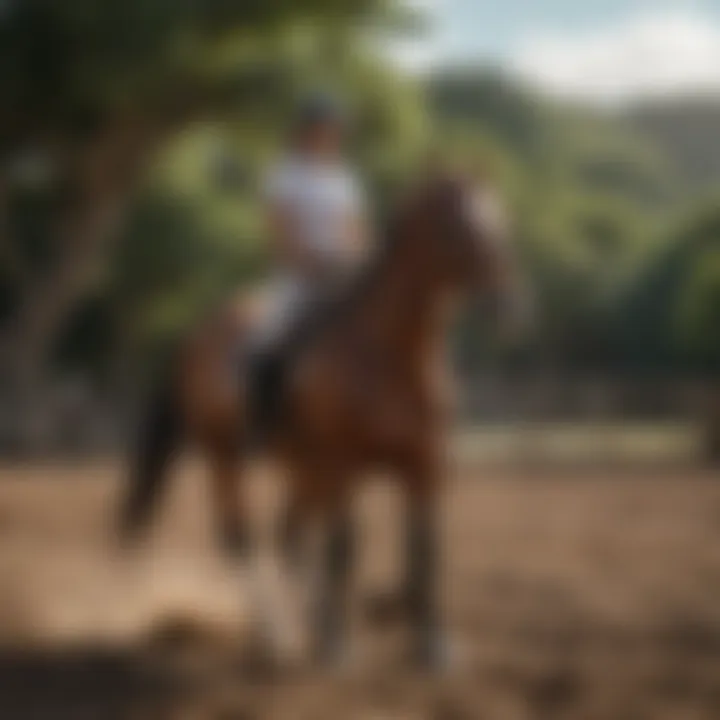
[159, 438]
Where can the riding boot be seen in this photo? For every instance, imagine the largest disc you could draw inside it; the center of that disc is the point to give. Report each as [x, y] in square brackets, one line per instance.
[264, 395]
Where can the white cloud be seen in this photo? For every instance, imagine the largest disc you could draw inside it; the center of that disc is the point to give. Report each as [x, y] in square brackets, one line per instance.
[649, 55]
[413, 55]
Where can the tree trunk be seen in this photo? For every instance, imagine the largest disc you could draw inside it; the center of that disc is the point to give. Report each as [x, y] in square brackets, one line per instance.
[42, 313]
[100, 178]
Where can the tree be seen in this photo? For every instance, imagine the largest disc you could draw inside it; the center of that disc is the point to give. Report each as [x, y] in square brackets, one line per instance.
[697, 314]
[91, 91]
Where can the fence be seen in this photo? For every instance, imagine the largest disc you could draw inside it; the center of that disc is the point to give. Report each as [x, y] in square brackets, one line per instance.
[553, 398]
[533, 412]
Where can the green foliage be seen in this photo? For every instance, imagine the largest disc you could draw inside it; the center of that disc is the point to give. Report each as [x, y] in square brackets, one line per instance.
[487, 101]
[89, 91]
[187, 245]
[685, 130]
[592, 205]
[625, 273]
[593, 199]
[65, 57]
[191, 241]
[698, 311]
[658, 296]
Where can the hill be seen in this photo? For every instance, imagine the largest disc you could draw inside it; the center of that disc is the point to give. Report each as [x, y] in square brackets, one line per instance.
[687, 131]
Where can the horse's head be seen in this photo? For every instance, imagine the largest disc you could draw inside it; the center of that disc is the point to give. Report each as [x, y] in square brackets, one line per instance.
[464, 230]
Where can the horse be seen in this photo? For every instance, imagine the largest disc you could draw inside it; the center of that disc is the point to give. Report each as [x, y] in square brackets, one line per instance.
[367, 389]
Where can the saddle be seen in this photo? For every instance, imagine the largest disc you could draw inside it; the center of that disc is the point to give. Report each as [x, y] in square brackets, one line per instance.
[268, 369]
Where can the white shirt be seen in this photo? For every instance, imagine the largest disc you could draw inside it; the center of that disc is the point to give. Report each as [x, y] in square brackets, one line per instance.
[320, 199]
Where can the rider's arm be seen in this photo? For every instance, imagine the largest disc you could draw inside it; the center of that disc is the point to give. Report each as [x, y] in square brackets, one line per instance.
[356, 240]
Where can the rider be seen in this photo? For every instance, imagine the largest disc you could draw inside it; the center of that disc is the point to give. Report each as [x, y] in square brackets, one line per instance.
[316, 216]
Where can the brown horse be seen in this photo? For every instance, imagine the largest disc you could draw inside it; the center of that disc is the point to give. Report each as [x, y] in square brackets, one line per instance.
[366, 389]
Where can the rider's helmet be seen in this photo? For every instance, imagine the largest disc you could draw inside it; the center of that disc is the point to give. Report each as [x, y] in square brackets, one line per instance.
[320, 109]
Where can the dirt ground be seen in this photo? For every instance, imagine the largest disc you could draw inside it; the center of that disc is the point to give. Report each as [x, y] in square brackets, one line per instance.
[584, 595]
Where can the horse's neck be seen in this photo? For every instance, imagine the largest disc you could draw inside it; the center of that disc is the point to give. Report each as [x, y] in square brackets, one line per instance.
[408, 309]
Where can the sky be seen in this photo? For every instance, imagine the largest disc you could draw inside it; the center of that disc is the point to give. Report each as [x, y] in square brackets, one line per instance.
[598, 51]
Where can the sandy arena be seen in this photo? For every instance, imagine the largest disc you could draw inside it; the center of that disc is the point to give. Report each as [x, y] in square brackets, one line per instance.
[589, 595]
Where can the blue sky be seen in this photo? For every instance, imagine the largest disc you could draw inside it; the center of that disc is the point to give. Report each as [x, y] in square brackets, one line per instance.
[599, 50]
[467, 27]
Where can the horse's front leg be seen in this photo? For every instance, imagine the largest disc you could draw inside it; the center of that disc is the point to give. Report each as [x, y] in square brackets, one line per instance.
[291, 536]
[232, 530]
[422, 477]
[330, 609]
[321, 491]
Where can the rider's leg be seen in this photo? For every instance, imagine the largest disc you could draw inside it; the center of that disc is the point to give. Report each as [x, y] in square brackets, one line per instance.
[269, 358]
[264, 393]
